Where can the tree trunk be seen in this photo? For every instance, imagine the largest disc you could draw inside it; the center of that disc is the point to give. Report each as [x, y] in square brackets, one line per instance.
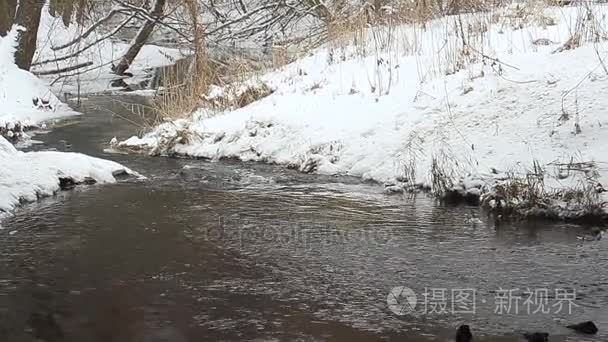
[28, 16]
[68, 10]
[63, 8]
[141, 38]
[7, 15]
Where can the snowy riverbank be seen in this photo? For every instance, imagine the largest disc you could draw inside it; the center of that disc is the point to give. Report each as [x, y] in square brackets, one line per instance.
[416, 106]
[25, 177]
[19, 90]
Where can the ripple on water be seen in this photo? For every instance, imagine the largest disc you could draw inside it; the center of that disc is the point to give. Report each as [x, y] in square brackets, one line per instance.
[244, 251]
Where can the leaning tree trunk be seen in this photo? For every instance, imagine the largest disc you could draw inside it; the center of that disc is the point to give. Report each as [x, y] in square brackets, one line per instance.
[7, 15]
[141, 38]
[63, 8]
[28, 16]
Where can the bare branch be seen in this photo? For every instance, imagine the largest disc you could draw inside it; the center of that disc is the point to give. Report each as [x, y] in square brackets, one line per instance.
[75, 54]
[89, 30]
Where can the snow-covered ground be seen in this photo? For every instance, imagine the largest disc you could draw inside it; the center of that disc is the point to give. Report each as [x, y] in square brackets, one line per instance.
[27, 176]
[409, 104]
[18, 91]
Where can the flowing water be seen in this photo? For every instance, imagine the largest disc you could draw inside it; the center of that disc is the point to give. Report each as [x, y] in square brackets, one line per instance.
[205, 251]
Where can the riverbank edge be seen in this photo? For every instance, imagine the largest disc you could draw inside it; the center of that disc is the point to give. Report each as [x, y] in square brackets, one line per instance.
[17, 136]
[493, 193]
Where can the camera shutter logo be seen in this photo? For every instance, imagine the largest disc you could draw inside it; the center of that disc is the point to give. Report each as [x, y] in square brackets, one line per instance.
[401, 300]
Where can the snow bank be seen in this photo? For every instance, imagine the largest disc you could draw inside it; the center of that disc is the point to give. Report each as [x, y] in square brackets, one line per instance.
[25, 177]
[412, 105]
[18, 89]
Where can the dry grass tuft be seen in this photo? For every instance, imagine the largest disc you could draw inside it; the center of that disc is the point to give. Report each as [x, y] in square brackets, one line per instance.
[528, 195]
[528, 191]
[236, 95]
[180, 95]
[253, 94]
[185, 83]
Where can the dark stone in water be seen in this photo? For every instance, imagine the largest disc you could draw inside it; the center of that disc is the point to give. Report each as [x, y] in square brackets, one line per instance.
[120, 174]
[66, 183]
[537, 337]
[456, 196]
[472, 199]
[463, 334]
[584, 328]
[89, 181]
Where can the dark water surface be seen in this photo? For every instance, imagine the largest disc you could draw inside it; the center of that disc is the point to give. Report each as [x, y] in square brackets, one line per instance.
[205, 251]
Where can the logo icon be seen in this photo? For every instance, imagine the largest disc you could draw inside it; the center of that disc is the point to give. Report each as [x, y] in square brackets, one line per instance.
[401, 300]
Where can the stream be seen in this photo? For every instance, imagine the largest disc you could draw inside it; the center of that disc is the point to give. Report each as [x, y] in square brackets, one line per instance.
[209, 251]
